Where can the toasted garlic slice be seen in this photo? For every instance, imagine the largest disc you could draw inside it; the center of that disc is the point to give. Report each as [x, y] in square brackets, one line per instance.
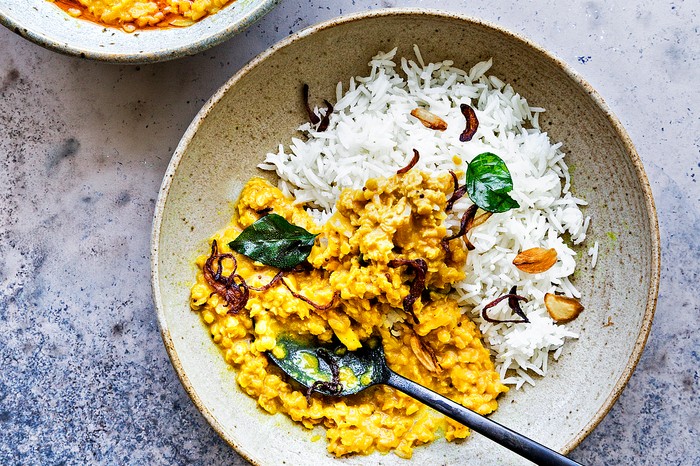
[424, 354]
[181, 22]
[561, 308]
[535, 260]
[429, 120]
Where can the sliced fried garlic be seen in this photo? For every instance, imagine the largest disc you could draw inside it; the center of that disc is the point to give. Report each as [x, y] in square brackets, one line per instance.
[181, 22]
[561, 308]
[429, 120]
[424, 354]
[535, 260]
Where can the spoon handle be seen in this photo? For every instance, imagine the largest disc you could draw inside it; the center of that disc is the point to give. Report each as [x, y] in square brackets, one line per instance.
[525, 447]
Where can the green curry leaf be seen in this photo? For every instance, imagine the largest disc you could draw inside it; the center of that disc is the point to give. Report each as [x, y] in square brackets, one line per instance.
[489, 182]
[274, 241]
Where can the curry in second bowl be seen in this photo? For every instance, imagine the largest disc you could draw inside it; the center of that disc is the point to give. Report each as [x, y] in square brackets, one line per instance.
[102, 29]
[133, 14]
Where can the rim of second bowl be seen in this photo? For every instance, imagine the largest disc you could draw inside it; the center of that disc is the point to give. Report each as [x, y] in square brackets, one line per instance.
[655, 260]
[138, 58]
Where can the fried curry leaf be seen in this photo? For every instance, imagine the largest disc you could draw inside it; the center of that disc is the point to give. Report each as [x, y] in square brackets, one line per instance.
[274, 241]
[489, 182]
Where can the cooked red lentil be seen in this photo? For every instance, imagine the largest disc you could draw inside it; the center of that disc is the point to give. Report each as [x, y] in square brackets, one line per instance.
[133, 14]
[399, 217]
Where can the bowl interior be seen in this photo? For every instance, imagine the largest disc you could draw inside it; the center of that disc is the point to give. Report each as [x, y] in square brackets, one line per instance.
[46, 24]
[261, 108]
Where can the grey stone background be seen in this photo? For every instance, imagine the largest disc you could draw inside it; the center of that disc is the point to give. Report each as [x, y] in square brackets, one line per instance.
[84, 376]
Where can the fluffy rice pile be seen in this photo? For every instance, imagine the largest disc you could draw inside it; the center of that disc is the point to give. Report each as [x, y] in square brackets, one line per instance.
[372, 133]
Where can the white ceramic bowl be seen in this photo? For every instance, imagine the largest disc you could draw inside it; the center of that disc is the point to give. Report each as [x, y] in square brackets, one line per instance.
[261, 106]
[46, 24]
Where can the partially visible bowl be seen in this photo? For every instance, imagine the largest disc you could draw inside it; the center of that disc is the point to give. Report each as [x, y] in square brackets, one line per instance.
[46, 24]
[261, 107]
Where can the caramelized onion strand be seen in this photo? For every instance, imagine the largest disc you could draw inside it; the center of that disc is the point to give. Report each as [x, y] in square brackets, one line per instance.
[410, 165]
[334, 386]
[465, 225]
[278, 276]
[318, 307]
[313, 118]
[420, 269]
[457, 193]
[233, 288]
[472, 123]
[326, 118]
[514, 305]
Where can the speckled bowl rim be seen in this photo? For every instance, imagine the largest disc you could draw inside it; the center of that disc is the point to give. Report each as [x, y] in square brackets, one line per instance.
[191, 48]
[655, 259]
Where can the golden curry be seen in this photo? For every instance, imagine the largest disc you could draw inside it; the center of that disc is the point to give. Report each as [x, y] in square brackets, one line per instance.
[358, 290]
[133, 14]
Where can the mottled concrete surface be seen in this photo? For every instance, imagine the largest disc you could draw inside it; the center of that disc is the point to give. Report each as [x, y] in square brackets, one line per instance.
[83, 146]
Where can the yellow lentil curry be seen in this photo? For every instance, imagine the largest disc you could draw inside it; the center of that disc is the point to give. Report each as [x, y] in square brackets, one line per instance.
[133, 14]
[401, 217]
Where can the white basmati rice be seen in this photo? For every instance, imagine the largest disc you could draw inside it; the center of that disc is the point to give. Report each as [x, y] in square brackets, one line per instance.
[371, 133]
[593, 253]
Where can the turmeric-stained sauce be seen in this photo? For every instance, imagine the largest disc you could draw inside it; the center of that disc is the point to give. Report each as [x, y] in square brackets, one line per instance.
[391, 221]
[131, 15]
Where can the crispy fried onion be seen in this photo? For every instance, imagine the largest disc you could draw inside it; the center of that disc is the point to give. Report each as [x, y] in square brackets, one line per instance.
[468, 221]
[513, 302]
[278, 276]
[410, 165]
[420, 269]
[318, 307]
[464, 225]
[326, 118]
[457, 193]
[232, 288]
[334, 386]
[263, 212]
[236, 291]
[472, 123]
[313, 118]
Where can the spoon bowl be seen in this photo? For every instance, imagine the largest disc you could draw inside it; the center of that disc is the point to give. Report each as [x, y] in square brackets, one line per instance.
[311, 364]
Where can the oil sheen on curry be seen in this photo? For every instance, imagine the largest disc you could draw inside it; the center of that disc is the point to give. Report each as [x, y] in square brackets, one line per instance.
[139, 14]
[358, 280]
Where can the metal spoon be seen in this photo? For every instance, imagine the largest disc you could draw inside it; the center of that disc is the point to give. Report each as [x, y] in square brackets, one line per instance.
[312, 365]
